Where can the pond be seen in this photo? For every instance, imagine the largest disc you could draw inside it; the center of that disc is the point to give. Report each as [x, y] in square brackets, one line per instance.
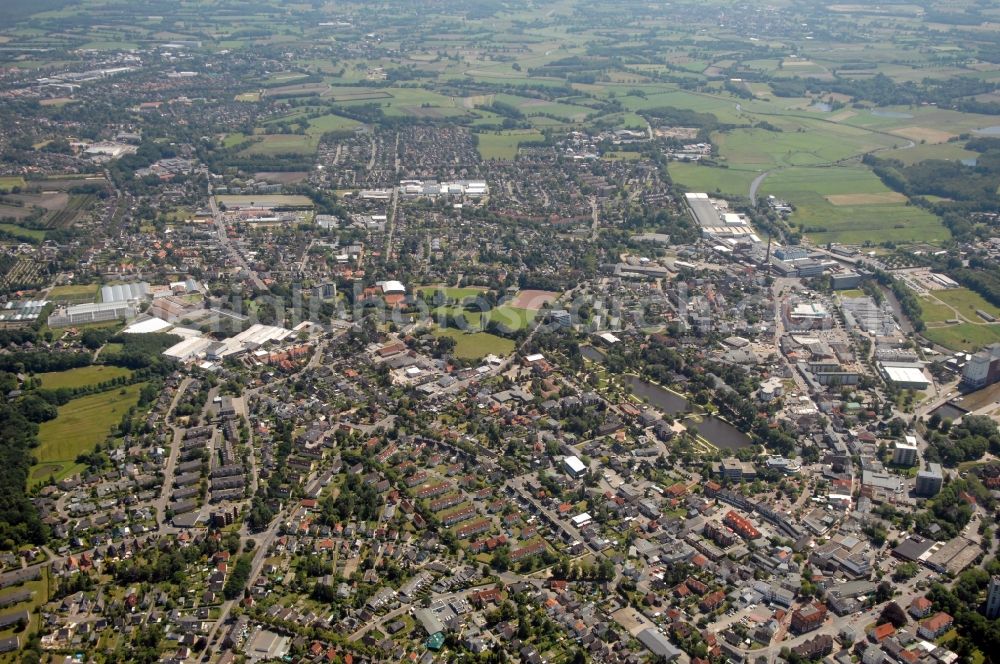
[988, 131]
[722, 434]
[663, 399]
[970, 161]
[713, 429]
[821, 106]
[592, 354]
[949, 411]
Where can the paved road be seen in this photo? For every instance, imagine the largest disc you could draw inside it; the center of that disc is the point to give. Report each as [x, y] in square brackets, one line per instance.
[594, 217]
[220, 225]
[175, 446]
[755, 185]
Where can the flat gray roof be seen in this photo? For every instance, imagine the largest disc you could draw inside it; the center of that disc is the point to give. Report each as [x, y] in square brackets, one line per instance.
[704, 212]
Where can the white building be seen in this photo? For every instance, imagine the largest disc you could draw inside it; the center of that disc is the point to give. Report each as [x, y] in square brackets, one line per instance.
[905, 454]
[98, 312]
[906, 375]
[574, 467]
[392, 287]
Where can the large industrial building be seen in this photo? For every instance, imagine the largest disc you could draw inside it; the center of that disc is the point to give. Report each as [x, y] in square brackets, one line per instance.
[845, 280]
[907, 375]
[705, 213]
[431, 189]
[250, 339]
[863, 312]
[98, 312]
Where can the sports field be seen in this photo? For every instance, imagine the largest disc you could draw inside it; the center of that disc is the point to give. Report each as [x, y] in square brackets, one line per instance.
[74, 293]
[513, 318]
[477, 344]
[452, 293]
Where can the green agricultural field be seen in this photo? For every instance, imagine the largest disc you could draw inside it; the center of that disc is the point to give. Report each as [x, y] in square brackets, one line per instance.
[851, 205]
[503, 145]
[270, 145]
[22, 233]
[814, 146]
[331, 122]
[80, 425]
[918, 153]
[932, 311]
[409, 102]
[74, 293]
[472, 346]
[110, 46]
[934, 125]
[724, 108]
[81, 376]
[967, 302]
[695, 177]
[530, 106]
[232, 140]
[966, 336]
[8, 182]
[837, 181]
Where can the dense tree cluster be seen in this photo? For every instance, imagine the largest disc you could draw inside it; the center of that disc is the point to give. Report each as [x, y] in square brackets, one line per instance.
[967, 441]
[19, 521]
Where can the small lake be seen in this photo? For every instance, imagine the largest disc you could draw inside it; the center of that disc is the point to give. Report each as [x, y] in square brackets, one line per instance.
[969, 161]
[592, 354]
[716, 431]
[662, 398]
[880, 113]
[722, 434]
[948, 411]
[821, 106]
[987, 131]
